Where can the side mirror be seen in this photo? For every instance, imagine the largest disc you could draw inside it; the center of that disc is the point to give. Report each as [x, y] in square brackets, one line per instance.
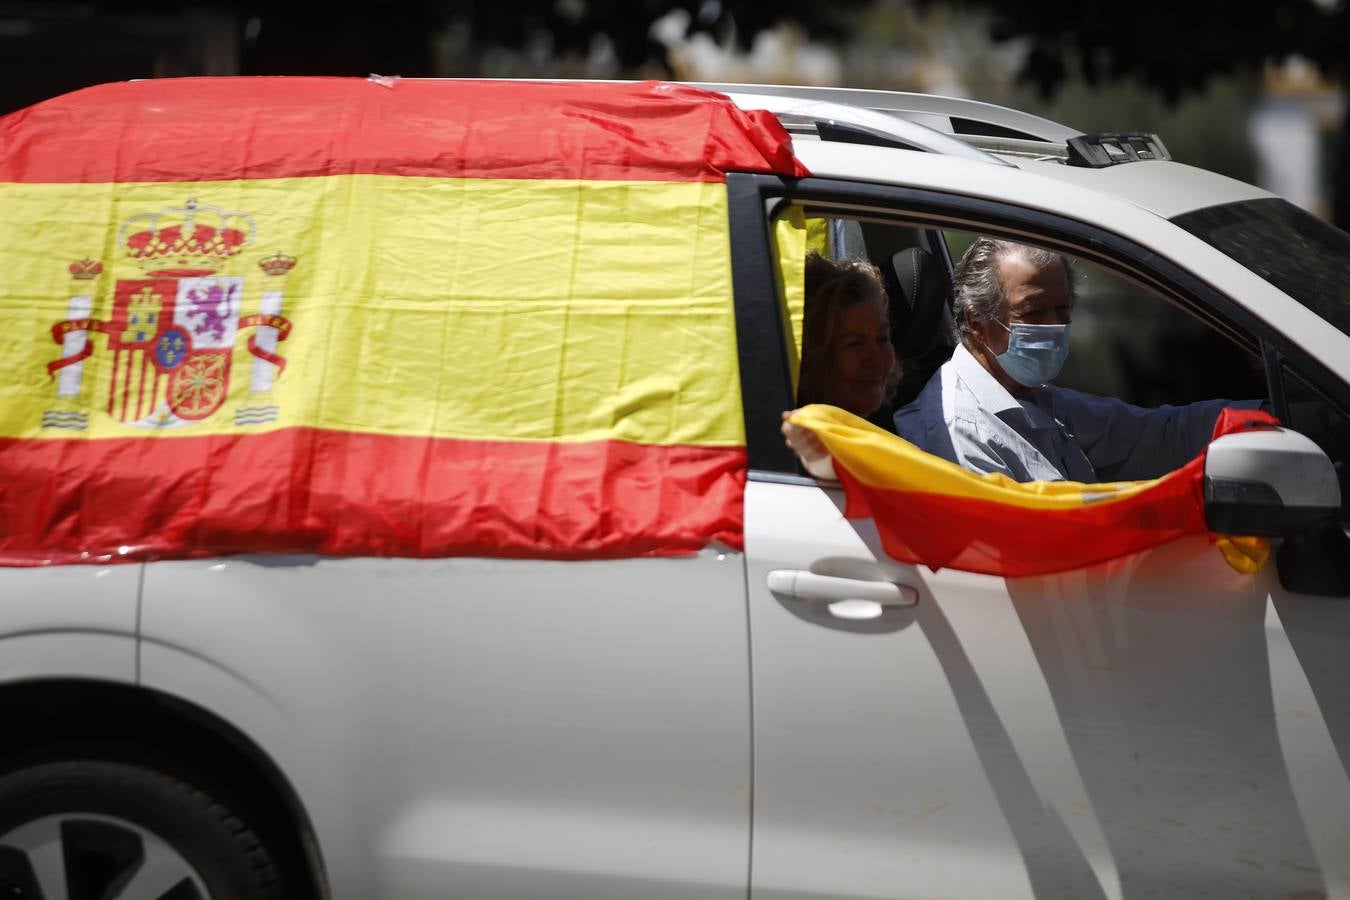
[1277, 483]
[1270, 482]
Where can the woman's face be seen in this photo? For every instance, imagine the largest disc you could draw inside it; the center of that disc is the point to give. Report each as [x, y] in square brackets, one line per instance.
[861, 357]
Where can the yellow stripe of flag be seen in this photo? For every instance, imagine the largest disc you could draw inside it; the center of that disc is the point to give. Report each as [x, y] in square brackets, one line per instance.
[460, 308]
[881, 460]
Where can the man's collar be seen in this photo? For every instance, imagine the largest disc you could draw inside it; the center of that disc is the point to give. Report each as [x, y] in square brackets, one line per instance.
[994, 398]
[989, 394]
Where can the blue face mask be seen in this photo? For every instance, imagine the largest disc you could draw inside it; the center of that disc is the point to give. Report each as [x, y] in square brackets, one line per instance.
[1035, 353]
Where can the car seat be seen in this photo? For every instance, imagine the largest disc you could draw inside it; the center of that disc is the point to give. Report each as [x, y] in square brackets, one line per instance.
[919, 288]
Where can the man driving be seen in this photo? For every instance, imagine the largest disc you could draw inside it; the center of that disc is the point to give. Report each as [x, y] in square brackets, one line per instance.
[991, 407]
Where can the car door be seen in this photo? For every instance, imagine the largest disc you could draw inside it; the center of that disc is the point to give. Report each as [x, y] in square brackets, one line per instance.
[1154, 725]
[482, 727]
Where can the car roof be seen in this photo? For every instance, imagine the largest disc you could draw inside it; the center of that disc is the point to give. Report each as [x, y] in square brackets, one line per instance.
[1163, 187]
[973, 130]
[1136, 194]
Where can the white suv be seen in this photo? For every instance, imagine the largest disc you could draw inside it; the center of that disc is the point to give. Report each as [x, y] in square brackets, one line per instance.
[314, 726]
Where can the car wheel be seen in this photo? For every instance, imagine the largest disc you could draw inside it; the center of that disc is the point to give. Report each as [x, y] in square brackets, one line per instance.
[90, 830]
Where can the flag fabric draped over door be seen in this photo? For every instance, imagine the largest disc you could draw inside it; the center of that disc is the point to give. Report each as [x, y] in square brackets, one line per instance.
[933, 512]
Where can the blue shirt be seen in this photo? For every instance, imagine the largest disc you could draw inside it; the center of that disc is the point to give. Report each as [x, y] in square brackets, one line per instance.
[964, 415]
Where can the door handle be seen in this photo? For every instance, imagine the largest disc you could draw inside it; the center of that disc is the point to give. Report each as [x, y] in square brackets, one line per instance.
[815, 588]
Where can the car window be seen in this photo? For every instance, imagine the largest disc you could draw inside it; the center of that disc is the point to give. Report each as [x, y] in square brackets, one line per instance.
[1128, 339]
[1311, 412]
[1292, 249]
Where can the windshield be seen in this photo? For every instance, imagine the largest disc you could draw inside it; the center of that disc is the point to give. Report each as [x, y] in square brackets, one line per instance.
[1295, 251]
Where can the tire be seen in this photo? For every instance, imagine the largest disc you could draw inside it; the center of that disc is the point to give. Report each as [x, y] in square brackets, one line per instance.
[123, 832]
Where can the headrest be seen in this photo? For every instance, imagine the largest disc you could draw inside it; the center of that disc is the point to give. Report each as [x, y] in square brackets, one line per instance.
[919, 287]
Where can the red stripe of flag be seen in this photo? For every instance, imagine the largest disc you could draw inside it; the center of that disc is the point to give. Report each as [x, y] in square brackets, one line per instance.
[340, 493]
[942, 531]
[948, 531]
[214, 129]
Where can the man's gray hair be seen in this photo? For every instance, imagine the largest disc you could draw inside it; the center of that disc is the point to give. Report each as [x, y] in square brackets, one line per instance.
[976, 285]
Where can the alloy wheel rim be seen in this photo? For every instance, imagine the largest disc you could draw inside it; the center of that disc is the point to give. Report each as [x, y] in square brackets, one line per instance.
[92, 856]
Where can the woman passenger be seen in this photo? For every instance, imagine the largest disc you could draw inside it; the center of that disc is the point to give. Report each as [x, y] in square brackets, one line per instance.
[847, 357]
[848, 360]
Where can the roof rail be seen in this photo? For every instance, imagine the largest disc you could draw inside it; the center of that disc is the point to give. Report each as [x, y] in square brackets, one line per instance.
[951, 115]
[839, 122]
[823, 112]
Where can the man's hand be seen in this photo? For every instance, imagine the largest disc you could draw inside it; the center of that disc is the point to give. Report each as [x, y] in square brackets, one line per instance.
[810, 449]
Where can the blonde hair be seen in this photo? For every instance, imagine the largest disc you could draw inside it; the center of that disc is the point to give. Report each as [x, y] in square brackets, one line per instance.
[832, 285]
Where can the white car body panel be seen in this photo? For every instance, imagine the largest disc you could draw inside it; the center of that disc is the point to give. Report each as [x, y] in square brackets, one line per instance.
[1165, 188]
[900, 812]
[1103, 732]
[69, 622]
[513, 728]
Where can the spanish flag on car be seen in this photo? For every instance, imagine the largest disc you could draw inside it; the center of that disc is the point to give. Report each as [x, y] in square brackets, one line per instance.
[371, 317]
[931, 511]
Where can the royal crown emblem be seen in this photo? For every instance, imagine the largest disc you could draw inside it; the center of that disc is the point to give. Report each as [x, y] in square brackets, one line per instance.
[185, 240]
[277, 264]
[85, 269]
[171, 332]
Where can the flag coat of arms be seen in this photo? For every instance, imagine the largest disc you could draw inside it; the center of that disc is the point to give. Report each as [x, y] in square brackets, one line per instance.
[171, 332]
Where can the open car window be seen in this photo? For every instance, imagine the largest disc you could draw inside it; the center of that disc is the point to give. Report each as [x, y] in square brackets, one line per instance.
[1128, 340]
